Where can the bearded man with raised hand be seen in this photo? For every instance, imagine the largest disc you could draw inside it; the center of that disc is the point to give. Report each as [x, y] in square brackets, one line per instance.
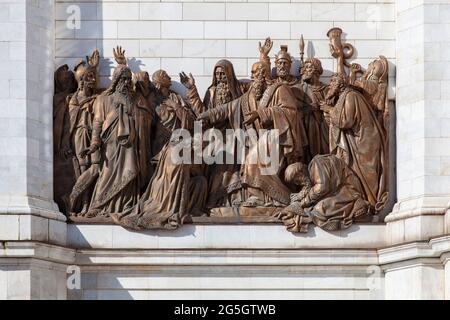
[114, 143]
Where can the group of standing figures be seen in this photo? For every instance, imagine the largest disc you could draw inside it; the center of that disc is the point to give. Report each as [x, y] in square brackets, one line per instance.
[113, 148]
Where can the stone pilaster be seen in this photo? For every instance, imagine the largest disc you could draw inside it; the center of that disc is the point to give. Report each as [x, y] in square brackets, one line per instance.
[29, 218]
[423, 120]
[27, 209]
[415, 262]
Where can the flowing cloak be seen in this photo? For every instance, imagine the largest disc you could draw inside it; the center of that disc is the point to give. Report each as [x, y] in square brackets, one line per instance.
[144, 117]
[81, 116]
[357, 138]
[277, 110]
[336, 197]
[316, 127]
[60, 119]
[176, 189]
[218, 175]
[63, 173]
[116, 189]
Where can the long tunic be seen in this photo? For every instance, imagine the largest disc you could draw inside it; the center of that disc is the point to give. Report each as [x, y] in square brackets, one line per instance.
[144, 117]
[219, 175]
[357, 138]
[81, 117]
[316, 128]
[63, 173]
[176, 190]
[116, 189]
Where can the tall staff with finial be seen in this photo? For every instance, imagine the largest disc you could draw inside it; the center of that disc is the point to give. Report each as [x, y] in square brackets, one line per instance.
[302, 53]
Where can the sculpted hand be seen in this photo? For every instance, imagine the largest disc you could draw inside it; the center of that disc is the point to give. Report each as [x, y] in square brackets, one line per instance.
[171, 105]
[252, 117]
[335, 52]
[94, 147]
[187, 81]
[265, 49]
[325, 107]
[94, 59]
[356, 67]
[119, 55]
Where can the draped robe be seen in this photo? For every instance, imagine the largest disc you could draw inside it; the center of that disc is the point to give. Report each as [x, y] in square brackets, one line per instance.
[144, 116]
[63, 173]
[176, 190]
[219, 175]
[316, 127]
[116, 189]
[337, 194]
[81, 117]
[336, 197]
[277, 109]
[357, 137]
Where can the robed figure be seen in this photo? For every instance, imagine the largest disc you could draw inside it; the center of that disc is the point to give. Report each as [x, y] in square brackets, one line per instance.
[314, 93]
[63, 174]
[357, 137]
[224, 88]
[114, 141]
[264, 107]
[331, 195]
[144, 118]
[177, 189]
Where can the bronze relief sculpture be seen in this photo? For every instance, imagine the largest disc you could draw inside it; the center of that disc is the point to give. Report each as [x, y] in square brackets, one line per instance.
[139, 154]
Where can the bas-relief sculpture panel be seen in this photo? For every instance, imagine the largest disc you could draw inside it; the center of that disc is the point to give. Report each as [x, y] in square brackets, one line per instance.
[304, 152]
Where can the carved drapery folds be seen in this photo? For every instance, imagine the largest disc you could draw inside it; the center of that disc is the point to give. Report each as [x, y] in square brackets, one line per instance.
[274, 148]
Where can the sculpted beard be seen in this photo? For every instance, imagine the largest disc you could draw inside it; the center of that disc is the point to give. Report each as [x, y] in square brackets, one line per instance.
[124, 88]
[335, 89]
[281, 71]
[223, 93]
[260, 87]
[308, 75]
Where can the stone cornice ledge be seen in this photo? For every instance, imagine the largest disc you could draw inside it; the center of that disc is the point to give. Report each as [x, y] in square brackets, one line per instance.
[226, 257]
[433, 252]
[420, 206]
[13, 250]
[26, 205]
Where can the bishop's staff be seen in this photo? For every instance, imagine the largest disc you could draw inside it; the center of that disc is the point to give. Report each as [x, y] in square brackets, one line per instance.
[339, 50]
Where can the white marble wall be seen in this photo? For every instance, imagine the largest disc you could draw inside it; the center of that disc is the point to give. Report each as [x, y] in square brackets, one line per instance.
[227, 262]
[422, 104]
[26, 90]
[224, 261]
[192, 35]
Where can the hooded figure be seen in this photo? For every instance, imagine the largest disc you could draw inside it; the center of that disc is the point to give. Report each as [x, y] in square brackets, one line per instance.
[145, 118]
[63, 173]
[225, 87]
